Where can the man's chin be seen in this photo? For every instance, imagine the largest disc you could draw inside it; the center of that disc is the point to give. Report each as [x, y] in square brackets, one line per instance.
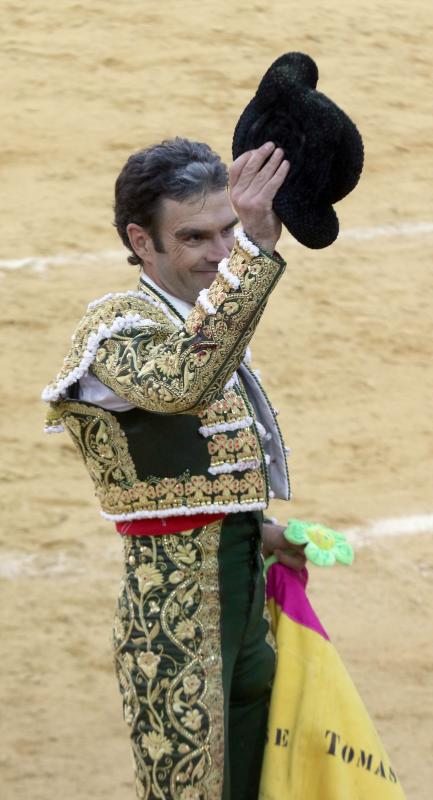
[203, 280]
[209, 276]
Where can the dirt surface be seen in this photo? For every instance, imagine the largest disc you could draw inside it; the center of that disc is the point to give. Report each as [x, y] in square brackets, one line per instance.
[345, 350]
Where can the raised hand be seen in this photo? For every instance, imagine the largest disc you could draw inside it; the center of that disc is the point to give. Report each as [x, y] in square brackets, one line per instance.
[255, 178]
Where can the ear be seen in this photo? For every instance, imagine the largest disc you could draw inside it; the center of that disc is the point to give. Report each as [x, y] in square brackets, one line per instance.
[141, 241]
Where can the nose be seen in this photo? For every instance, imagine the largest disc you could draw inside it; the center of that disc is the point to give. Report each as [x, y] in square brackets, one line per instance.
[219, 247]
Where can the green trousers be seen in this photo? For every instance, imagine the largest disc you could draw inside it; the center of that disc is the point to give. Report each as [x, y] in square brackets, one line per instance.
[193, 664]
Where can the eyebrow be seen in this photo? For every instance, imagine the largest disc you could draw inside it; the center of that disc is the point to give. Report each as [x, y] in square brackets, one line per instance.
[184, 233]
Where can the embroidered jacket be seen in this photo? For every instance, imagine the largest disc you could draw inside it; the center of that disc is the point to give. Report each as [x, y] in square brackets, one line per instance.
[192, 443]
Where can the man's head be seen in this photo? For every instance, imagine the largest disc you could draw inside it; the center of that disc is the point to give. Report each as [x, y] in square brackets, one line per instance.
[174, 214]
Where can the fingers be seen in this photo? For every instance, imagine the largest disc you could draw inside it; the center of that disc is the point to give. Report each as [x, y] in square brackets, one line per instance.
[258, 178]
[294, 560]
[255, 178]
[270, 188]
[248, 164]
[254, 169]
[237, 167]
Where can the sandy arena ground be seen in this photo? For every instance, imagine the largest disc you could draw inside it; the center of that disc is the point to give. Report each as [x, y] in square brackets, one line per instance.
[345, 349]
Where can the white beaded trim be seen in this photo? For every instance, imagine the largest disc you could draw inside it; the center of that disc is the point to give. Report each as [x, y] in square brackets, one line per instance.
[238, 466]
[261, 429]
[53, 393]
[184, 511]
[244, 242]
[54, 429]
[209, 430]
[228, 276]
[141, 296]
[112, 296]
[204, 302]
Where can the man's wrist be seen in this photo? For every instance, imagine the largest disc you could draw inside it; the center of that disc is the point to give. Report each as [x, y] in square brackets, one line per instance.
[266, 247]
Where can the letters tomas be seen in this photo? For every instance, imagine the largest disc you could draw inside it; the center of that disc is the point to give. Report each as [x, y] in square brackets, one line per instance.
[360, 757]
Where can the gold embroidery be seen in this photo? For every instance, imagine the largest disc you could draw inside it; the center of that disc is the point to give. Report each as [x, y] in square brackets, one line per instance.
[52, 417]
[234, 446]
[164, 369]
[251, 484]
[196, 491]
[199, 489]
[270, 638]
[168, 660]
[229, 408]
[164, 365]
[104, 448]
[101, 442]
[105, 313]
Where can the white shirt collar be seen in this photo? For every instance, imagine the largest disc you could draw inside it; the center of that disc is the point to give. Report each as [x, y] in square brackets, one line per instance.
[181, 306]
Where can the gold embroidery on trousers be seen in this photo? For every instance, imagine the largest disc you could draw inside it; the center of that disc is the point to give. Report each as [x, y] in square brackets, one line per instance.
[168, 660]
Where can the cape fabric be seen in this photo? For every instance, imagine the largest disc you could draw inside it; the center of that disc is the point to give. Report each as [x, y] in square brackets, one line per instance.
[322, 744]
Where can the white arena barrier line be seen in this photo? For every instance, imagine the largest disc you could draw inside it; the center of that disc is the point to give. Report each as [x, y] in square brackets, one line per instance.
[403, 229]
[380, 232]
[39, 263]
[389, 527]
[31, 565]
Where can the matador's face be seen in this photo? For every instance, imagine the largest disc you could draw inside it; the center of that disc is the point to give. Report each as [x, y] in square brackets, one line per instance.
[195, 234]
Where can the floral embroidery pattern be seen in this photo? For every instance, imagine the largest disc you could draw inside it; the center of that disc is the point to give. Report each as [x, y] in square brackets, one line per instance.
[121, 311]
[170, 673]
[158, 366]
[104, 448]
[101, 443]
[176, 370]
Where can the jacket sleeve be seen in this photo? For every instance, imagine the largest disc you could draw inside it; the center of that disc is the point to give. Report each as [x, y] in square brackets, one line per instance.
[184, 371]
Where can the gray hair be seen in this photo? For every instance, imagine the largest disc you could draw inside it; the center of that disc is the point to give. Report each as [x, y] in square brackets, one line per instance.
[176, 169]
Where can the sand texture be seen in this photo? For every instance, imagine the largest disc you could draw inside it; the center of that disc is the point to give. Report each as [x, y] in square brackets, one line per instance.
[345, 349]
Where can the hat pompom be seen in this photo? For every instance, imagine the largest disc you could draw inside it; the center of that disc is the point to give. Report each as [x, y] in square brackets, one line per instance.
[295, 68]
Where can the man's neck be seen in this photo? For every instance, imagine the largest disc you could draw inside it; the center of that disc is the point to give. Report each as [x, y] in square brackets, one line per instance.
[181, 306]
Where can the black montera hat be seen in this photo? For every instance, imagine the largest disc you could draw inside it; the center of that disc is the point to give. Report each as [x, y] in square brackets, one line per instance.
[323, 146]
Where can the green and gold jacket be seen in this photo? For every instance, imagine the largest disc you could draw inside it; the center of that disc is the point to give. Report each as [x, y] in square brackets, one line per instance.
[192, 442]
